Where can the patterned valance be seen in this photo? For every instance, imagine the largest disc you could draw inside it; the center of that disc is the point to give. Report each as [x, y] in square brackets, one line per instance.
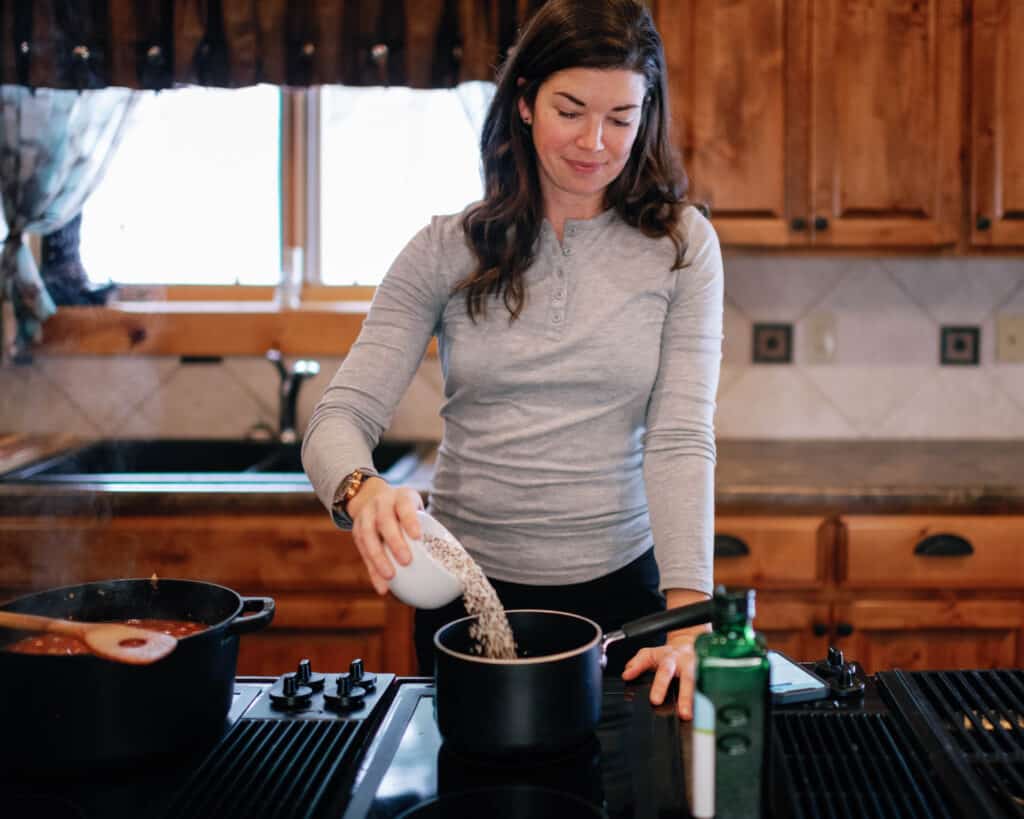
[155, 44]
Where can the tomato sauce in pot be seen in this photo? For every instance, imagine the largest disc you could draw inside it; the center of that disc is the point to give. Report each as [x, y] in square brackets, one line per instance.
[66, 644]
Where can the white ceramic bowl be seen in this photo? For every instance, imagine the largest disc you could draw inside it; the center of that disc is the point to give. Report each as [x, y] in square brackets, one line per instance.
[425, 583]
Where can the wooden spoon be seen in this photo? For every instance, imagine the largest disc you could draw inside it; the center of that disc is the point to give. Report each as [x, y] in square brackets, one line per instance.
[112, 641]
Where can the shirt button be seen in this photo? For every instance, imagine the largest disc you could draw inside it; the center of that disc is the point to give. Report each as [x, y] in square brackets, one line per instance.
[566, 251]
[559, 293]
[556, 317]
[559, 273]
[571, 231]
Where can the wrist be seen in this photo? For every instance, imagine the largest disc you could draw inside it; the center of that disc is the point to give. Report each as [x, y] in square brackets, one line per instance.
[370, 487]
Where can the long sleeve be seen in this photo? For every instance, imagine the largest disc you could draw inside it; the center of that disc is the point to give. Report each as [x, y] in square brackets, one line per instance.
[358, 404]
[679, 447]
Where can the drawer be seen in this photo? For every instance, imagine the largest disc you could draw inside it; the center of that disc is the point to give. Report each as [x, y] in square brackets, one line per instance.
[934, 551]
[771, 552]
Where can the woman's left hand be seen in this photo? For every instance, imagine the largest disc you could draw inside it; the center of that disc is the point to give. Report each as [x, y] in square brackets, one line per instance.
[674, 659]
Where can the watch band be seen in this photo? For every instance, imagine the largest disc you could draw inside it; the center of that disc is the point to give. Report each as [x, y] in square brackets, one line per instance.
[349, 488]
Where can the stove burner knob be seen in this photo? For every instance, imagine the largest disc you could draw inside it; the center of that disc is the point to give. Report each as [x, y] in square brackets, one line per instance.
[292, 696]
[847, 684]
[831, 665]
[349, 696]
[360, 677]
[308, 677]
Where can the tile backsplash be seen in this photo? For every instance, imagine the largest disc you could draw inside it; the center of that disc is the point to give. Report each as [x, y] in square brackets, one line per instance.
[883, 379]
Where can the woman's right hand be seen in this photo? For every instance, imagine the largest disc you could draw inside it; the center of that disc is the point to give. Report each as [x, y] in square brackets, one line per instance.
[379, 513]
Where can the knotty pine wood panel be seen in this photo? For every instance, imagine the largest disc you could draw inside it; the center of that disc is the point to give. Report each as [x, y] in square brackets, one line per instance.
[792, 625]
[249, 553]
[932, 634]
[785, 552]
[887, 82]
[738, 75]
[997, 108]
[878, 552]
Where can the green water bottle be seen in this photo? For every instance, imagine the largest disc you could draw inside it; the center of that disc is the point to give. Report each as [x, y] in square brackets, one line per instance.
[731, 711]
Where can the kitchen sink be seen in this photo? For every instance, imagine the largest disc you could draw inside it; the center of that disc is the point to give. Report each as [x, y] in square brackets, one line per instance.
[166, 460]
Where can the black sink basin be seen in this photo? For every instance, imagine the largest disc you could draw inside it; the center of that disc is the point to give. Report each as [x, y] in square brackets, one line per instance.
[173, 461]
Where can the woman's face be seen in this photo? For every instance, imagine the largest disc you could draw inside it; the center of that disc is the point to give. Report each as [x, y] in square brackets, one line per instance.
[584, 122]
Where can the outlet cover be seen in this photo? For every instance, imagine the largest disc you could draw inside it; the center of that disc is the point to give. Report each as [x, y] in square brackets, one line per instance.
[1010, 338]
[960, 345]
[773, 343]
[819, 335]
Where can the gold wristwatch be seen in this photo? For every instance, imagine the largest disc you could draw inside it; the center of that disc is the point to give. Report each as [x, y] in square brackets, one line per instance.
[349, 489]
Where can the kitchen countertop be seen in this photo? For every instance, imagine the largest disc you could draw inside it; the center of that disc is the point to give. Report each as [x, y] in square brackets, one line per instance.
[790, 477]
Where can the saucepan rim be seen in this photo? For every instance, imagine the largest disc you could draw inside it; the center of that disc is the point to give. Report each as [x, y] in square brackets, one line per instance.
[545, 658]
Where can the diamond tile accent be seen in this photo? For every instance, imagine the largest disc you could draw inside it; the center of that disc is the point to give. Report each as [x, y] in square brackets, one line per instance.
[107, 389]
[956, 403]
[957, 291]
[200, 401]
[866, 396]
[778, 288]
[877, 323]
[31, 403]
[778, 403]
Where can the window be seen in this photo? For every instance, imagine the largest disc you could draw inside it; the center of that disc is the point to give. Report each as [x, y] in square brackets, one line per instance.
[390, 158]
[192, 193]
[196, 192]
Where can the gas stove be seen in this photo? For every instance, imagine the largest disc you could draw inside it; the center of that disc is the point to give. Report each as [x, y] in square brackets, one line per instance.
[362, 744]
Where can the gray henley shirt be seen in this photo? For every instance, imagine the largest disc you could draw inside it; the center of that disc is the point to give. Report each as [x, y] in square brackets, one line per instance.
[575, 437]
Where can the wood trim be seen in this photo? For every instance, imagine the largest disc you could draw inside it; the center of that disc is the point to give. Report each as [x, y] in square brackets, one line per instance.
[213, 328]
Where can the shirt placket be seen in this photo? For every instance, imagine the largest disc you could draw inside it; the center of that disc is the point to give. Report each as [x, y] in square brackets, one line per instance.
[560, 289]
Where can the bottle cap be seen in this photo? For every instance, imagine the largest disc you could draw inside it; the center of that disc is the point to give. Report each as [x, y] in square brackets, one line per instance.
[733, 605]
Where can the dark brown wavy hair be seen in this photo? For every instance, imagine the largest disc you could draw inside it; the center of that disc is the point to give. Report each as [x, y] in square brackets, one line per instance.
[649, 194]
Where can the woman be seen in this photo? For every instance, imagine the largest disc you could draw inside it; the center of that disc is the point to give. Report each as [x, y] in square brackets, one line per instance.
[578, 311]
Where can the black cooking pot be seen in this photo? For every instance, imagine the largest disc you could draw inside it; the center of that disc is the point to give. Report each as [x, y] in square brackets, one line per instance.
[80, 711]
[549, 697]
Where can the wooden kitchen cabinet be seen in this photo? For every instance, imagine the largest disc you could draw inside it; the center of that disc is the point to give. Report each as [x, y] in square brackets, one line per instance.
[326, 609]
[997, 124]
[832, 123]
[935, 591]
[893, 591]
[788, 560]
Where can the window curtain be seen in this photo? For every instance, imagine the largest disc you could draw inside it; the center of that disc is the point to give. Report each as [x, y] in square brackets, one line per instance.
[54, 149]
[155, 44]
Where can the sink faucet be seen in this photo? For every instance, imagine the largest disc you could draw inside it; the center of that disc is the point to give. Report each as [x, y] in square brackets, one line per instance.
[291, 383]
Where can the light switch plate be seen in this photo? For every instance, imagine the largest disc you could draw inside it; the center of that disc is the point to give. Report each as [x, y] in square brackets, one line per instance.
[1010, 338]
[820, 337]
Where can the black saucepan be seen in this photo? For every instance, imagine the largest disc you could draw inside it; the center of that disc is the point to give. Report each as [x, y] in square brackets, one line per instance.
[549, 697]
[79, 711]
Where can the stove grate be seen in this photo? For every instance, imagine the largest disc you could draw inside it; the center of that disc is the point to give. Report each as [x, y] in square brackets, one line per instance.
[271, 769]
[983, 713]
[852, 764]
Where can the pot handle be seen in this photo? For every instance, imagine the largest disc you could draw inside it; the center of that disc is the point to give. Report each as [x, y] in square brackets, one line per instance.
[681, 617]
[263, 608]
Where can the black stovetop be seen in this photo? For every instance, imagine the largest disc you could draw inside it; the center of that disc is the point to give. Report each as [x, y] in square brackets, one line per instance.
[919, 744]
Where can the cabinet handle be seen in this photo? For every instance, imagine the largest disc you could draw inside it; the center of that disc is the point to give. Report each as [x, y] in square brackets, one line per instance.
[820, 223]
[944, 546]
[844, 629]
[819, 629]
[799, 223]
[983, 223]
[730, 546]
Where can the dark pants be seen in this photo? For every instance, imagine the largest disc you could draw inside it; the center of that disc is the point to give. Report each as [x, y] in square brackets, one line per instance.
[609, 601]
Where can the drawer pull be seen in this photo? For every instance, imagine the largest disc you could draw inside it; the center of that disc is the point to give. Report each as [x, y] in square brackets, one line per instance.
[944, 546]
[844, 629]
[730, 546]
[819, 628]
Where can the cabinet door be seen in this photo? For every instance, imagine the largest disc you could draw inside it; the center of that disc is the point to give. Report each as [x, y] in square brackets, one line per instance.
[736, 70]
[797, 628]
[887, 119]
[997, 132]
[882, 634]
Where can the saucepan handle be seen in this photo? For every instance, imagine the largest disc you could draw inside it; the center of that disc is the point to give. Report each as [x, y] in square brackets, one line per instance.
[263, 613]
[681, 617]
